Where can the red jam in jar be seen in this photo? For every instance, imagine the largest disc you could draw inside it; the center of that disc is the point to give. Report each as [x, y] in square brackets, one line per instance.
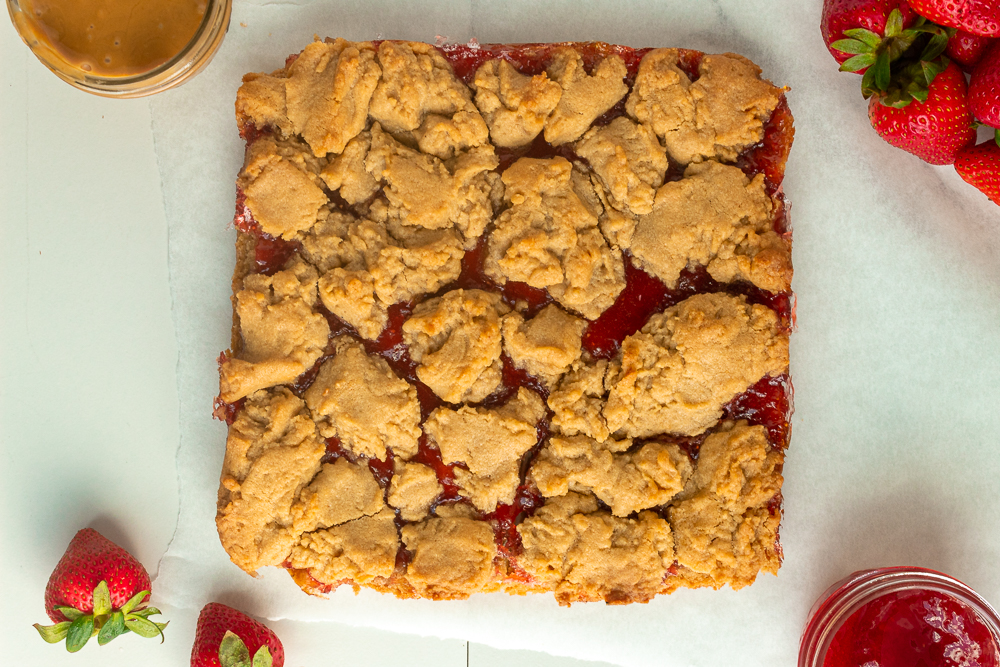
[901, 617]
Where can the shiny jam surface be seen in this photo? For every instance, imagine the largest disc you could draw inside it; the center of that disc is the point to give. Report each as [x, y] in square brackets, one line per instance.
[916, 628]
[767, 403]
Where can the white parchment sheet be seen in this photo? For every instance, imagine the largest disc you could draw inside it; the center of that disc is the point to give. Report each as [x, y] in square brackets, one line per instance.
[896, 361]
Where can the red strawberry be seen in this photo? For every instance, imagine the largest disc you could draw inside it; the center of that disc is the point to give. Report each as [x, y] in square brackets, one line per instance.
[980, 17]
[966, 49]
[984, 88]
[99, 589]
[215, 622]
[842, 19]
[934, 130]
[980, 166]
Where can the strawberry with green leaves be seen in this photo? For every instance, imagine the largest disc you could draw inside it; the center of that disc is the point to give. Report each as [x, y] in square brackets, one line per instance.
[97, 589]
[980, 167]
[226, 637]
[980, 17]
[931, 119]
[858, 32]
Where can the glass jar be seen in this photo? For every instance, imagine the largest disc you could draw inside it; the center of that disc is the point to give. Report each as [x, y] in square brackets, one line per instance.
[850, 594]
[168, 72]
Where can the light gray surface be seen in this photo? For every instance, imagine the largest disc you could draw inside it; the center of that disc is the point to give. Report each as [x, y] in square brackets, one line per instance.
[105, 374]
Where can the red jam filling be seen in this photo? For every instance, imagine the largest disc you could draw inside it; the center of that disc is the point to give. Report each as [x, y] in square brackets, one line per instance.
[767, 403]
[918, 628]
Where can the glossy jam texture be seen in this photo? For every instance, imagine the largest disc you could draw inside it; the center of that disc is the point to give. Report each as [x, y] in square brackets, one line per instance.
[916, 628]
[767, 403]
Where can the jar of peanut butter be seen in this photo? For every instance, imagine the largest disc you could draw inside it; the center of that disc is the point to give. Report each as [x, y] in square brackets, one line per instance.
[122, 48]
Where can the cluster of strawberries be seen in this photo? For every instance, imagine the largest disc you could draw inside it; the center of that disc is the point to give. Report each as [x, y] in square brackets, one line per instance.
[100, 590]
[914, 57]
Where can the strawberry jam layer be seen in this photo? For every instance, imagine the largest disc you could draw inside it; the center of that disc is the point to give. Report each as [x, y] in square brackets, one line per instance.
[766, 403]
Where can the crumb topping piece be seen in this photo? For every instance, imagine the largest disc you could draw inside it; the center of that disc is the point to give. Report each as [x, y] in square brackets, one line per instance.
[346, 173]
[358, 551]
[515, 105]
[589, 555]
[627, 482]
[546, 345]
[585, 97]
[549, 239]
[725, 530]
[352, 387]
[280, 179]
[261, 100]
[422, 190]
[577, 402]
[686, 363]
[341, 492]
[413, 489]
[629, 161]
[715, 117]
[489, 443]
[367, 267]
[327, 93]
[282, 335]
[416, 81]
[451, 557]
[272, 453]
[456, 340]
[322, 96]
[717, 217]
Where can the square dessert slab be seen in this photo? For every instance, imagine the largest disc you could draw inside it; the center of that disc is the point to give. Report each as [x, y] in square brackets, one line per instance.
[509, 318]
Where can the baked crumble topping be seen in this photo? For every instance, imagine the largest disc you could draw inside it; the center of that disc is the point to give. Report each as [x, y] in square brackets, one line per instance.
[514, 105]
[508, 319]
[723, 529]
[586, 554]
[282, 334]
[548, 237]
[686, 363]
[714, 117]
[357, 399]
[545, 345]
[490, 443]
[456, 342]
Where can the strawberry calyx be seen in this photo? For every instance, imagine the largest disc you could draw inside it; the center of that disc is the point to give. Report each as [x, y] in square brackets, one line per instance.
[911, 82]
[105, 622]
[904, 65]
[234, 653]
[876, 51]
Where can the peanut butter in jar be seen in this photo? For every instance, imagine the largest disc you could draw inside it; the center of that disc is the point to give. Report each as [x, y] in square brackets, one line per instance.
[123, 48]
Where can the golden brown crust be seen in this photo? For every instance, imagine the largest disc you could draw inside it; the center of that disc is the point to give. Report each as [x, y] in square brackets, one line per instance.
[377, 166]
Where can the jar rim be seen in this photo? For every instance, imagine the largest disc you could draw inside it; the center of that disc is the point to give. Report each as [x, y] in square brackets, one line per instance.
[845, 597]
[191, 59]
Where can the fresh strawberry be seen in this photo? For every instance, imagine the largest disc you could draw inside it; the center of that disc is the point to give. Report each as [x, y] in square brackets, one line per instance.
[980, 166]
[980, 17]
[229, 638]
[935, 129]
[984, 88]
[97, 589]
[967, 49]
[856, 31]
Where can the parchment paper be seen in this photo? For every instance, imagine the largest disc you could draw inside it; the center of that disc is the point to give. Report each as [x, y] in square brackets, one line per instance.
[895, 362]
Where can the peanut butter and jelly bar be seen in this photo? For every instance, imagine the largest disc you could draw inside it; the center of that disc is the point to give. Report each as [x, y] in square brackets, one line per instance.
[509, 318]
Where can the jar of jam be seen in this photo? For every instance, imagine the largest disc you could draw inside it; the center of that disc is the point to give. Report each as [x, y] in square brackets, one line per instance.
[901, 617]
[122, 48]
